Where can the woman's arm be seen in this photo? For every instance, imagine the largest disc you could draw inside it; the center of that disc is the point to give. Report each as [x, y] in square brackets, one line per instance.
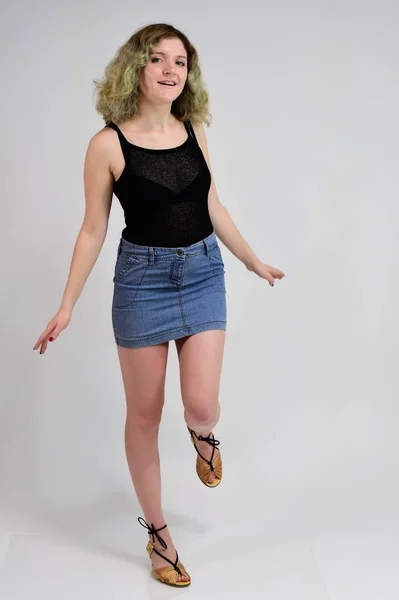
[224, 226]
[98, 181]
[98, 190]
[226, 229]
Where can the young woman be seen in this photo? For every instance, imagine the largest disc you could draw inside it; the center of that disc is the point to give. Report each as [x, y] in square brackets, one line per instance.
[169, 274]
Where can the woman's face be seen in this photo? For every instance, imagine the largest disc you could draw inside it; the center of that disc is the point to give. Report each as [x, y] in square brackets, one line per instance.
[167, 62]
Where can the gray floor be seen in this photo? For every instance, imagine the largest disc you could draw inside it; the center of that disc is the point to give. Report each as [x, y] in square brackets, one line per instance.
[234, 540]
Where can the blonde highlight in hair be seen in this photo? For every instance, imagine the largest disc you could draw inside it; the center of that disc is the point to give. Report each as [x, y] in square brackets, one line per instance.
[117, 92]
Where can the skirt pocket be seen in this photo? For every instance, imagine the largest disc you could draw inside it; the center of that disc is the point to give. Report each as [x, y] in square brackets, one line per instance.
[129, 273]
[217, 265]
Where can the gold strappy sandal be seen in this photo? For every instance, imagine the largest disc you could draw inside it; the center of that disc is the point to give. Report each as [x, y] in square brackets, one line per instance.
[204, 467]
[167, 575]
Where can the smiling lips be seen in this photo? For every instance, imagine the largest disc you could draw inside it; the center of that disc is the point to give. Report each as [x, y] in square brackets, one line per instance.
[167, 82]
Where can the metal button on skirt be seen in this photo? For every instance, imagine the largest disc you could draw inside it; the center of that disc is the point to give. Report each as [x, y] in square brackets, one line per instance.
[161, 294]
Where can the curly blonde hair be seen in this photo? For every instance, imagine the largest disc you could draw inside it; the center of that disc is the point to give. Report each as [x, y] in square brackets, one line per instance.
[118, 91]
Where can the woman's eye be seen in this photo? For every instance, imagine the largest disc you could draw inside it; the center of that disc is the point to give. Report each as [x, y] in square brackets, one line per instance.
[158, 58]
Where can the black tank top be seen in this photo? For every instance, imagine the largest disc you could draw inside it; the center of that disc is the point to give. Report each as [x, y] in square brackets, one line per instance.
[164, 193]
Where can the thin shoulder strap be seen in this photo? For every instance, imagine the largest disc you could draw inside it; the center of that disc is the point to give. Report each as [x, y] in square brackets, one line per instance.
[190, 130]
[123, 141]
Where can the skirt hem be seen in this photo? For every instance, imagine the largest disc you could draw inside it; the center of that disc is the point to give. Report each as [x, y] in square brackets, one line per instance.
[167, 336]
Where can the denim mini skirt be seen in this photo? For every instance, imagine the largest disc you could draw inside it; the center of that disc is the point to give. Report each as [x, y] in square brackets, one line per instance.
[162, 294]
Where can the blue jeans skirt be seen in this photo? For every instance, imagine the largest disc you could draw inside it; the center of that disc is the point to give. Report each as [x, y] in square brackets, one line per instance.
[162, 294]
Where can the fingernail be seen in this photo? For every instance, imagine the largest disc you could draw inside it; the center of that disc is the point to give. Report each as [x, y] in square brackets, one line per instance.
[51, 339]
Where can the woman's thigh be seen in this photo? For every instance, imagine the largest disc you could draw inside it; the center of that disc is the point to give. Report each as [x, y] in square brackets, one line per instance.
[200, 361]
[143, 373]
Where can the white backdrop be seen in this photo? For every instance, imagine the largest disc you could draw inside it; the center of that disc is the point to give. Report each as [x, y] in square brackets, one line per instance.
[304, 149]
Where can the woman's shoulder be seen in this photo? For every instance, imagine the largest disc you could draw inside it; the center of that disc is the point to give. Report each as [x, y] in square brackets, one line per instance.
[104, 141]
[200, 134]
[103, 148]
[103, 135]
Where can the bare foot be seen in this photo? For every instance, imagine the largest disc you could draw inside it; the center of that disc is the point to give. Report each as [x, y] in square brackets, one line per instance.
[170, 553]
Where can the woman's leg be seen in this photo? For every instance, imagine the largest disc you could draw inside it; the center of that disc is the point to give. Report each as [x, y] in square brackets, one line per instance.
[143, 373]
[200, 359]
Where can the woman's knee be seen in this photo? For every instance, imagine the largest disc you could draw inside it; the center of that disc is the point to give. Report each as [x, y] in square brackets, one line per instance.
[145, 412]
[143, 420]
[202, 413]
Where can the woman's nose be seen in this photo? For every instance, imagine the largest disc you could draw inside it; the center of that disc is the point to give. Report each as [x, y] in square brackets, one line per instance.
[168, 70]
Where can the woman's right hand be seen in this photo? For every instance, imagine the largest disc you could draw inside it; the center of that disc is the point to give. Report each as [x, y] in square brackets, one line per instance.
[57, 324]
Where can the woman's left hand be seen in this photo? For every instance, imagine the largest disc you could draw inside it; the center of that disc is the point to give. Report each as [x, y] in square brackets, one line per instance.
[266, 271]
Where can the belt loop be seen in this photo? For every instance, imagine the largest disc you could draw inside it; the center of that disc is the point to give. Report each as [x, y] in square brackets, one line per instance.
[206, 246]
[150, 255]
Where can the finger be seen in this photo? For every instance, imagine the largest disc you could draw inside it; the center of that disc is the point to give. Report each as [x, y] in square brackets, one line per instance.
[39, 342]
[43, 348]
[46, 333]
[54, 335]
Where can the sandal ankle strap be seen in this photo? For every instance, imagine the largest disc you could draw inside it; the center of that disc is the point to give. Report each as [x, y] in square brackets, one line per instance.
[210, 439]
[152, 531]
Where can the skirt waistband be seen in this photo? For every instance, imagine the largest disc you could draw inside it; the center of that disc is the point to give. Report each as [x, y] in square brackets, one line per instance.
[202, 246]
